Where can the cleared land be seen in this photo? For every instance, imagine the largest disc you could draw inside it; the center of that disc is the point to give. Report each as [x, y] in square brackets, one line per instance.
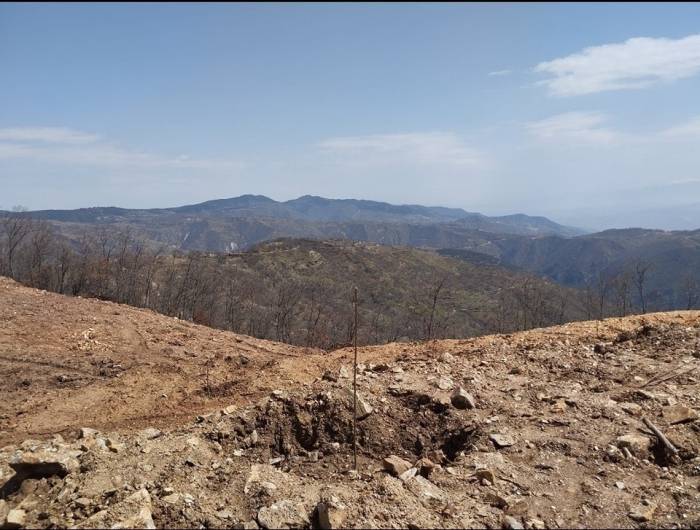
[555, 439]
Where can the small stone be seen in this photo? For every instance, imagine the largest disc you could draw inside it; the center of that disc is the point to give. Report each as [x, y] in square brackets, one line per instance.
[283, 514]
[447, 357]
[427, 492]
[559, 406]
[636, 444]
[535, 524]
[226, 411]
[83, 502]
[86, 433]
[600, 348]
[512, 523]
[329, 375]
[330, 513]
[224, 514]
[445, 383]
[631, 408]
[173, 498]
[188, 498]
[268, 488]
[620, 485]
[344, 372]
[485, 474]
[132, 512]
[150, 433]
[425, 466]
[276, 460]
[643, 394]
[45, 463]
[436, 455]
[496, 500]
[642, 513]
[462, 399]
[409, 473]
[362, 408]
[396, 465]
[15, 519]
[519, 508]
[675, 414]
[114, 446]
[442, 399]
[501, 440]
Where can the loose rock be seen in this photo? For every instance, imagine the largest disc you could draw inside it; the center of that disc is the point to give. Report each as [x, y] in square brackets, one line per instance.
[462, 399]
[363, 408]
[283, 514]
[501, 440]
[15, 519]
[427, 492]
[643, 513]
[512, 523]
[330, 513]
[675, 414]
[636, 444]
[396, 465]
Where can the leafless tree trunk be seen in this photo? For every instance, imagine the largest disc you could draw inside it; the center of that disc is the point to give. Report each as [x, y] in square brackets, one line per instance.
[641, 272]
[15, 228]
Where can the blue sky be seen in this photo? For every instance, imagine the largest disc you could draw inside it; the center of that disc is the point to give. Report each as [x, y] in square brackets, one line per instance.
[570, 111]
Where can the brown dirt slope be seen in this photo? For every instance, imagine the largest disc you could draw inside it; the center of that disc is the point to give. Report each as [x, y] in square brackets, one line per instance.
[73, 362]
[555, 437]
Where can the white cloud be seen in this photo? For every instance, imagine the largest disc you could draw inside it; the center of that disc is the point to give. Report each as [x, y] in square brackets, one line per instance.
[500, 72]
[54, 135]
[68, 146]
[426, 148]
[636, 63]
[690, 128]
[580, 126]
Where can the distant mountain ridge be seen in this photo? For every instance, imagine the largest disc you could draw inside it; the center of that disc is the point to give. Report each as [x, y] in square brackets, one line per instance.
[319, 209]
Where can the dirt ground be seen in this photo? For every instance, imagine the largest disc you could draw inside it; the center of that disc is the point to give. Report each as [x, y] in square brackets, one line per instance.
[202, 428]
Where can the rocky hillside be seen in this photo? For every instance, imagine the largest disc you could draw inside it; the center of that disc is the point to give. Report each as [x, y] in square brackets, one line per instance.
[117, 417]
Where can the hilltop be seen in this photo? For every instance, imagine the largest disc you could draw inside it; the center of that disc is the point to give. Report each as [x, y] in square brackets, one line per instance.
[111, 419]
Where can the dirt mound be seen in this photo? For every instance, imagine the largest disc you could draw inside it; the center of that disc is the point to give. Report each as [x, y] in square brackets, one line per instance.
[541, 429]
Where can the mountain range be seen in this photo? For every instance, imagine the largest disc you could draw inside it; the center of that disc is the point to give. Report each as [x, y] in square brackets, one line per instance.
[535, 244]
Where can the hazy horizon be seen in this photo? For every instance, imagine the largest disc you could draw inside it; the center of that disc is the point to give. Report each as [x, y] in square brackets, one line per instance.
[577, 112]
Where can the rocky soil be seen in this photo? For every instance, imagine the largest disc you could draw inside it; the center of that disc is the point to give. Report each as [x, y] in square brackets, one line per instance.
[117, 417]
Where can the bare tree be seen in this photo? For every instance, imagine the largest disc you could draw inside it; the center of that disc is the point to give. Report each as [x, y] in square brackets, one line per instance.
[435, 293]
[691, 290]
[641, 275]
[38, 253]
[621, 285]
[15, 228]
[286, 299]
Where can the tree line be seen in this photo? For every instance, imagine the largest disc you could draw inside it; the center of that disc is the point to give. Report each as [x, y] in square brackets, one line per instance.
[266, 301]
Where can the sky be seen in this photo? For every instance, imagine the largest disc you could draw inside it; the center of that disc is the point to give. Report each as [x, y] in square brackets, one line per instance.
[586, 113]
